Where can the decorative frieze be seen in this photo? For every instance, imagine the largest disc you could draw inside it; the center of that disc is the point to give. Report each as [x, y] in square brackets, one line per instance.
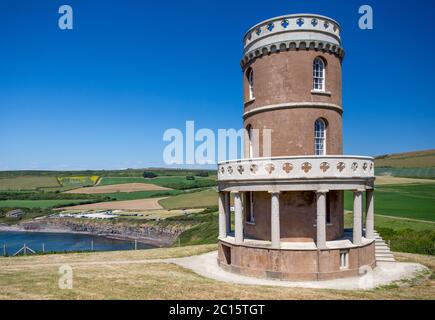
[316, 167]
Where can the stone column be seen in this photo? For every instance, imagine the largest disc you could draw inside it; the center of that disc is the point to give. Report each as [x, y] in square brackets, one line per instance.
[274, 220]
[238, 217]
[370, 214]
[357, 216]
[321, 219]
[222, 217]
[228, 211]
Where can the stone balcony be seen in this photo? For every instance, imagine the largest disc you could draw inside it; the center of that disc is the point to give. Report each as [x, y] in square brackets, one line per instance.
[302, 169]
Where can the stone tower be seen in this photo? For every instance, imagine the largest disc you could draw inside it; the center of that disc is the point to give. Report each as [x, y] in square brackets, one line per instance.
[289, 202]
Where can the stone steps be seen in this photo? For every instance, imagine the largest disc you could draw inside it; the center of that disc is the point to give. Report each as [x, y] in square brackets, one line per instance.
[382, 250]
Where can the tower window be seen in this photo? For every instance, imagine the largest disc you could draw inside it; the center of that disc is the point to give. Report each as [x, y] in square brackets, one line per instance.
[320, 137]
[319, 75]
[251, 84]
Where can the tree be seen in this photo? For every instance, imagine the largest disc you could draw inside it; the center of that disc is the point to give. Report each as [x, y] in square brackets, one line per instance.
[203, 174]
[149, 175]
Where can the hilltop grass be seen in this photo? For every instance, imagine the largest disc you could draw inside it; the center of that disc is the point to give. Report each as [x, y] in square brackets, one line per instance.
[203, 199]
[416, 201]
[204, 231]
[134, 275]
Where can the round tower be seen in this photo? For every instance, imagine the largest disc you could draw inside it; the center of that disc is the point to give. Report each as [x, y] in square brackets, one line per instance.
[289, 190]
[292, 77]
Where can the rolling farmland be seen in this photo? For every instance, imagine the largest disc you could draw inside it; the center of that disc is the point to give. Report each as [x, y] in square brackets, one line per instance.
[415, 201]
[28, 182]
[420, 164]
[418, 159]
[173, 182]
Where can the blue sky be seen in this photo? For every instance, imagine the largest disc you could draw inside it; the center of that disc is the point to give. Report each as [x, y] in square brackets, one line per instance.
[101, 95]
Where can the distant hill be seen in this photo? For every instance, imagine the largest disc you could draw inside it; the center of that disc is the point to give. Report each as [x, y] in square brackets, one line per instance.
[104, 173]
[417, 159]
[418, 164]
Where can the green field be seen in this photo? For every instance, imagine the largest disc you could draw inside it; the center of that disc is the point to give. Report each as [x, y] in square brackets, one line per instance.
[43, 204]
[28, 182]
[106, 181]
[173, 182]
[406, 201]
[426, 173]
[141, 194]
[203, 199]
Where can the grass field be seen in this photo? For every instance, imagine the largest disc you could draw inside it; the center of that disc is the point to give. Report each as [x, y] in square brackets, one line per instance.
[28, 182]
[202, 199]
[172, 182]
[106, 181]
[407, 201]
[142, 194]
[393, 223]
[425, 173]
[43, 204]
[418, 159]
[138, 275]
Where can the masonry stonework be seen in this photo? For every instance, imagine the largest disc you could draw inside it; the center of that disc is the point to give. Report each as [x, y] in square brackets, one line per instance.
[289, 204]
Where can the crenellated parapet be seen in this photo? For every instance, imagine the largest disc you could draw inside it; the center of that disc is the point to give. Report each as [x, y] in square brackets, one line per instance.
[292, 32]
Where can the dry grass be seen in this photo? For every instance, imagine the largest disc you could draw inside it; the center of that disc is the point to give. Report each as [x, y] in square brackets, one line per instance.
[133, 275]
[113, 188]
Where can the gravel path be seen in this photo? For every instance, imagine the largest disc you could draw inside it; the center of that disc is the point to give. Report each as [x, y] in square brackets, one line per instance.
[385, 273]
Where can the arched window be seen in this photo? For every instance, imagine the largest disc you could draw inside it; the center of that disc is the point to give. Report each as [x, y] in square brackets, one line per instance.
[251, 84]
[320, 137]
[318, 75]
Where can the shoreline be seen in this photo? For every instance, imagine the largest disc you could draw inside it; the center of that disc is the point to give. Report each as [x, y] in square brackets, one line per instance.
[158, 243]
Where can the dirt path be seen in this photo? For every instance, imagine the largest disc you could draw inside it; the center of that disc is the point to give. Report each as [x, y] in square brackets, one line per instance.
[141, 204]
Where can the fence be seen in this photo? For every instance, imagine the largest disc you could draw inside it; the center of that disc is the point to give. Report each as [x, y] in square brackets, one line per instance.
[25, 249]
